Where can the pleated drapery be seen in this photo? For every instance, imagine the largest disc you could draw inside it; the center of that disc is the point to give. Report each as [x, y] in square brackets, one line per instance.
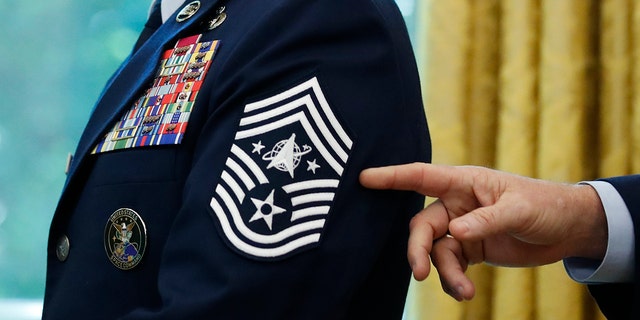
[542, 88]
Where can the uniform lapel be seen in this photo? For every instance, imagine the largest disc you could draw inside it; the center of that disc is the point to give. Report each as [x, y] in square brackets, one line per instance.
[135, 73]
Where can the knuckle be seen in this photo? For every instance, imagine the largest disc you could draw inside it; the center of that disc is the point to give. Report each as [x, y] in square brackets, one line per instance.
[416, 221]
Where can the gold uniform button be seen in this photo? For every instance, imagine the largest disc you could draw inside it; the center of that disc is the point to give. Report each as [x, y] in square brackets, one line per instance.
[188, 11]
[62, 248]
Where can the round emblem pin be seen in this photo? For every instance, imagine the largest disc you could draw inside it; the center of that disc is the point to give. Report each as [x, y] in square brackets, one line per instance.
[188, 11]
[125, 238]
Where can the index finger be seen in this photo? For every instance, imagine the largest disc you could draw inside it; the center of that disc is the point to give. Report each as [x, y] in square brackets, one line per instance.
[427, 179]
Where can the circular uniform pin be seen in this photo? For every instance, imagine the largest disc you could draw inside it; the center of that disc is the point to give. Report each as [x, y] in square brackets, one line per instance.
[188, 11]
[125, 238]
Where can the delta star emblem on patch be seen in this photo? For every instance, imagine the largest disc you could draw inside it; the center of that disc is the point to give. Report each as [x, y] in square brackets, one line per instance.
[282, 174]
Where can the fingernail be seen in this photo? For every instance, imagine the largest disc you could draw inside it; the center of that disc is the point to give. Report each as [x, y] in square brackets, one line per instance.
[466, 226]
[456, 292]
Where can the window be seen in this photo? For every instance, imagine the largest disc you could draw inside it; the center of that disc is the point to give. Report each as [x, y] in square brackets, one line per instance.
[56, 55]
[408, 8]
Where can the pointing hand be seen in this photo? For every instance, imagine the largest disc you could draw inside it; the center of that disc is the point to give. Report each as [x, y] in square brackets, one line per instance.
[484, 215]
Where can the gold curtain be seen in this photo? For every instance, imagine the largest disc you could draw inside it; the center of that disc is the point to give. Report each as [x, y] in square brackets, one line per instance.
[542, 88]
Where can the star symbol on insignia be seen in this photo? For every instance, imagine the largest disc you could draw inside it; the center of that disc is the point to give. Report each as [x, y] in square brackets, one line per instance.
[257, 147]
[285, 155]
[265, 210]
[313, 166]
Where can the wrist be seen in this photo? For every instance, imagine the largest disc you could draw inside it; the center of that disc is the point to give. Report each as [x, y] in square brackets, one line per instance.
[590, 235]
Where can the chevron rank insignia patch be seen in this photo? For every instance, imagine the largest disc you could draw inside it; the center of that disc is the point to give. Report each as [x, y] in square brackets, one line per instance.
[283, 170]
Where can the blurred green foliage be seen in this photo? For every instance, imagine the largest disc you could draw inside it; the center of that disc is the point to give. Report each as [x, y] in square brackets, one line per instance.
[54, 61]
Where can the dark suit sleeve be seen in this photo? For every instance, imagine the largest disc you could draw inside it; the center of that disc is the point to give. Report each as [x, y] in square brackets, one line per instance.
[273, 222]
[620, 301]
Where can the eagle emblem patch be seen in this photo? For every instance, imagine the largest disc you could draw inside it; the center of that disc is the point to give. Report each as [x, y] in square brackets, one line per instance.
[280, 179]
[125, 238]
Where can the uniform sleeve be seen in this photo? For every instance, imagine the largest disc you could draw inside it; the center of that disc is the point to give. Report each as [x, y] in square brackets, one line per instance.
[273, 222]
[620, 301]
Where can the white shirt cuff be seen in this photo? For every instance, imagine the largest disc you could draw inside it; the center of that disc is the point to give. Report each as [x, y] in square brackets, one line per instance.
[619, 260]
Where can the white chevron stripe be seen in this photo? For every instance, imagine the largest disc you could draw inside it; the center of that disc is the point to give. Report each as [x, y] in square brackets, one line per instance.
[254, 167]
[238, 170]
[302, 118]
[253, 250]
[307, 212]
[312, 197]
[311, 184]
[235, 187]
[261, 238]
[307, 102]
[275, 112]
[314, 85]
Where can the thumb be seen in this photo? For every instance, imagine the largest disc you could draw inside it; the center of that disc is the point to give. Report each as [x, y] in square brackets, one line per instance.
[479, 224]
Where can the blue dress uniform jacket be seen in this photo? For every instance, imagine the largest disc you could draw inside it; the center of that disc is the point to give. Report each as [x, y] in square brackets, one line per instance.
[217, 176]
[622, 300]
